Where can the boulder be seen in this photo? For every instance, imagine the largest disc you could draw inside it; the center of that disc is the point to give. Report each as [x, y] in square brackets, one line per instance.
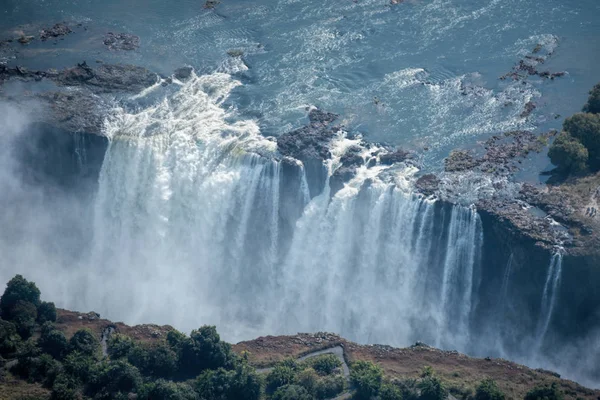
[121, 41]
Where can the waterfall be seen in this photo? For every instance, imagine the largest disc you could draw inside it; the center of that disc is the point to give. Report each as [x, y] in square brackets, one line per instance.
[197, 223]
[506, 279]
[549, 297]
[457, 285]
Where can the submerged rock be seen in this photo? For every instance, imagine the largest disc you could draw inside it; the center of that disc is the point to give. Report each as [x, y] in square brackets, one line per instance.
[60, 29]
[121, 41]
[183, 73]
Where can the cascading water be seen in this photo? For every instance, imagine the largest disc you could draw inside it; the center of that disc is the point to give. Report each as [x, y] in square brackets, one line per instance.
[549, 298]
[190, 229]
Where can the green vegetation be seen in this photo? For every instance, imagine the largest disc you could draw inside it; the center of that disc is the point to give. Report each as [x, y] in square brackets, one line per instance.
[593, 104]
[196, 367]
[577, 147]
[488, 390]
[545, 393]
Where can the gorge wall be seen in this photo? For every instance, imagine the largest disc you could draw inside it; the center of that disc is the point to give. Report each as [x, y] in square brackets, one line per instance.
[184, 217]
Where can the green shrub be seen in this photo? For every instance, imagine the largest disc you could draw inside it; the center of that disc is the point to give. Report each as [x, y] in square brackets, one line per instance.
[593, 103]
[366, 378]
[9, 338]
[163, 390]
[325, 364]
[23, 315]
[545, 393]
[330, 386]
[243, 383]
[84, 342]
[409, 389]
[157, 361]
[119, 346]
[114, 379]
[279, 376]
[46, 312]
[65, 388]
[53, 341]
[307, 379]
[488, 390]
[568, 154]
[432, 388]
[292, 392]
[204, 350]
[80, 366]
[18, 289]
[586, 129]
[389, 391]
[176, 339]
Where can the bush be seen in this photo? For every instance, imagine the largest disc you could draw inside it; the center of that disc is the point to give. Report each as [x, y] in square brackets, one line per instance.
[586, 129]
[9, 338]
[325, 364]
[18, 289]
[241, 384]
[113, 379]
[568, 154]
[488, 390]
[80, 366]
[176, 339]
[84, 342]
[53, 341]
[162, 390]
[204, 350]
[432, 388]
[46, 312]
[65, 388]
[119, 346]
[545, 393]
[593, 103]
[330, 386]
[366, 378]
[307, 379]
[23, 315]
[157, 361]
[409, 389]
[279, 376]
[389, 391]
[292, 392]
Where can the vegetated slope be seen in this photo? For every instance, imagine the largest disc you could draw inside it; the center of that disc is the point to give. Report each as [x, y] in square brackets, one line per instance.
[59, 354]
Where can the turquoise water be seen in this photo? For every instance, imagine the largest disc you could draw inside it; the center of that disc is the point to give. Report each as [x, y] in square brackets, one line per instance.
[394, 73]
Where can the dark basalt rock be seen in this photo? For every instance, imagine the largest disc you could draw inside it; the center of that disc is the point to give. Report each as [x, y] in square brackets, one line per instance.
[347, 170]
[528, 109]
[428, 184]
[121, 41]
[310, 142]
[210, 4]
[76, 111]
[460, 160]
[183, 73]
[395, 157]
[107, 78]
[60, 29]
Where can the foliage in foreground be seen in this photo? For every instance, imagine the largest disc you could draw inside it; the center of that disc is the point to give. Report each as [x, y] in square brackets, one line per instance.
[577, 147]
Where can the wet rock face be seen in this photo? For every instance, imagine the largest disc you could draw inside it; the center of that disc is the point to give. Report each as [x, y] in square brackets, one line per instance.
[76, 111]
[394, 157]
[121, 41]
[349, 162]
[311, 142]
[183, 73]
[107, 78]
[428, 184]
[60, 29]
